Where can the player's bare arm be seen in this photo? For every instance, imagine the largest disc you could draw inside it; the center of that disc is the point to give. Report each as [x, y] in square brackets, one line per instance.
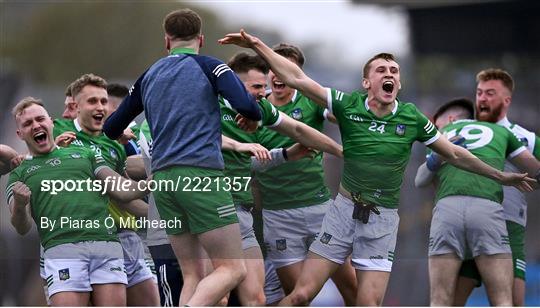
[131, 192]
[526, 162]
[135, 168]
[137, 207]
[255, 149]
[6, 155]
[463, 159]
[308, 136]
[424, 176]
[65, 139]
[20, 208]
[287, 71]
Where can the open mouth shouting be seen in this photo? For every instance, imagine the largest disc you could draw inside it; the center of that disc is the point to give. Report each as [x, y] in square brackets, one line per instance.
[40, 138]
[98, 118]
[278, 85]
[388, 86]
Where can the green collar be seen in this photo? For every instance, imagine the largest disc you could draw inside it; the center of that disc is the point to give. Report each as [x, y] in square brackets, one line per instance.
[181, 50]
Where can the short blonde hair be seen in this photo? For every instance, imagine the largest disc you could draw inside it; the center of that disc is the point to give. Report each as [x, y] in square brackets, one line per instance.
[25, 103]
[87, 79]
[496, 74]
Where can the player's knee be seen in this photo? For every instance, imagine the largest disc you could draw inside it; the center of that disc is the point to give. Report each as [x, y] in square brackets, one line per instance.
[257, 299]
[238, 272]
[300, 297]
[372, 298]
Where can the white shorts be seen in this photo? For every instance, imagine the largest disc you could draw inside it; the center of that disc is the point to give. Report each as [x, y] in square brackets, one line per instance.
[75, 267]
[371, 245]
[289, 233]
[134, 259]
[468, 226]
[272, 285]
[245, 220]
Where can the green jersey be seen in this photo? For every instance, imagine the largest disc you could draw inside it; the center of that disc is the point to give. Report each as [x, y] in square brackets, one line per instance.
[489, 142]
[112, 152]
[376, 150]
[79, 210]
[239, 164]
[298, 183]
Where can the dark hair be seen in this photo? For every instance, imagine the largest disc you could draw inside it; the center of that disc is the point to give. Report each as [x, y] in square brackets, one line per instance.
[117, 90]
[87, 79]
[464, 104]
[243, 62]
[290, 52]
[496, 74]
[385, 56]
[182, 24]
[68, 90]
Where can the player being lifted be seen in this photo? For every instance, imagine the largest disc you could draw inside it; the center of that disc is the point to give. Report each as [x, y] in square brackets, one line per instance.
[179, 94]
[83, 259]
[468, 218]
[493, 100]
[377, 133]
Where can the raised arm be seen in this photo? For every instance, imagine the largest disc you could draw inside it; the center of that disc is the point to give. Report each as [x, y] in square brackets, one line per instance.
[287, 71]
[463, 159]
[19, 206]
[130, 107]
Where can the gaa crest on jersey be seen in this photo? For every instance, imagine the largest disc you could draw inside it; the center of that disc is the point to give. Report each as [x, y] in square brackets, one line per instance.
[325, 238]
[400, 129]
[228, 117]
[63, 274]
[297, 114]
[281, 244]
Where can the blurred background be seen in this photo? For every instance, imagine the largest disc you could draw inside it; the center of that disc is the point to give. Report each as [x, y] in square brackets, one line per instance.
[440, 45]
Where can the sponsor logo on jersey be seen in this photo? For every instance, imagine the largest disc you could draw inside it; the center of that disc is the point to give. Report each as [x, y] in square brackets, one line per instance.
[325, 238]
[75, 155]
[281, 244]
[116, 269]
[227, 117]
[77, 142]
[32, 169]
[377, 257]
[63, 274]
[400, 129]
[355, 118]
[297, 114]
